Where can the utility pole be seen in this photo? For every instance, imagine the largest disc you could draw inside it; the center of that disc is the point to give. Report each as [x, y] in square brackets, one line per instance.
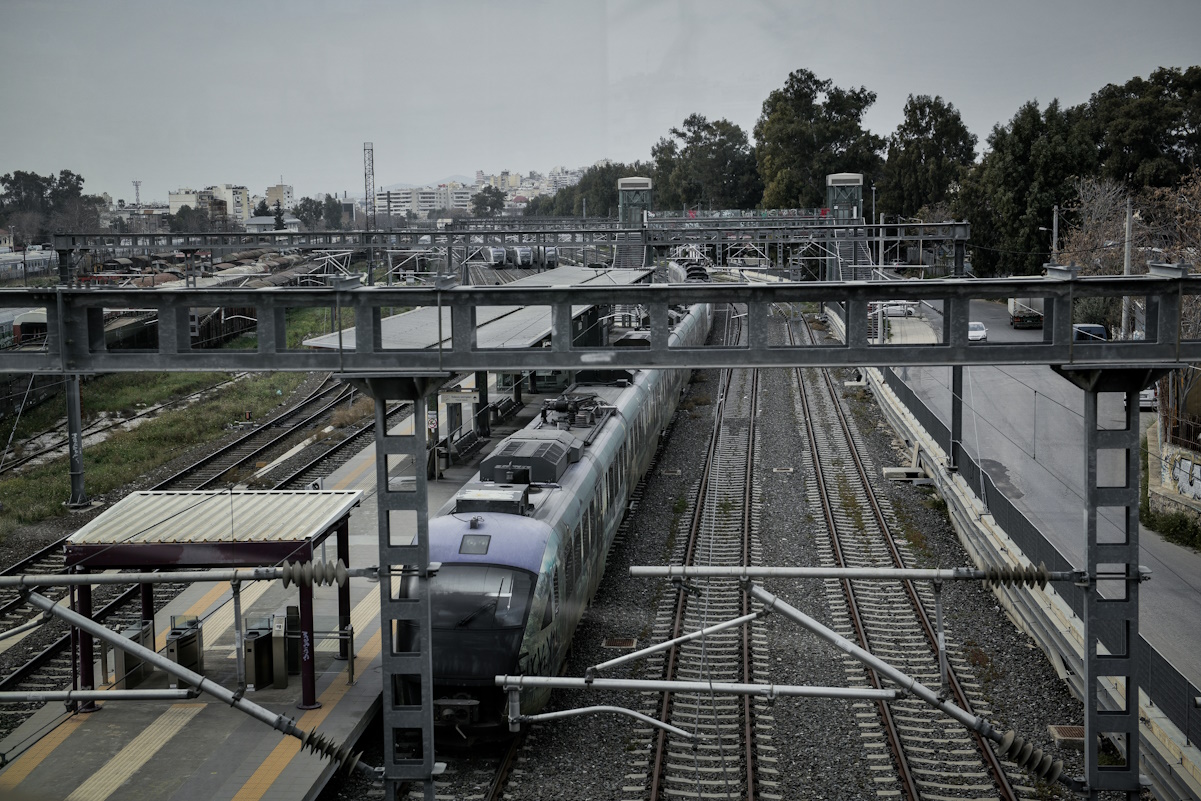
[369, 184]
[1126, 332]
[1055, 234]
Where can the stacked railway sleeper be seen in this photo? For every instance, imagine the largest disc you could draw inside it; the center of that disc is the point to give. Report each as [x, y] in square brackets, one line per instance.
[912, 749]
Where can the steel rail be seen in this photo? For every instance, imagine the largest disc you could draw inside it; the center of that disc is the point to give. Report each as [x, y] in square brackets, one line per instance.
[54, 649]
[990, 757]
[345, 444]
[908, 781]
[317, 396]
[748, 722]
[496, 788]
[9, 466]
[53, 549]
[660, 747]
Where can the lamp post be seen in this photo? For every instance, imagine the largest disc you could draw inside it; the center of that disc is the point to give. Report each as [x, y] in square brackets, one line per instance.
[1054, 229]
[873, 217]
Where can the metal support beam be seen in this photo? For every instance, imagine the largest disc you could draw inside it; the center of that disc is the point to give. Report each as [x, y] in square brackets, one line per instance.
[408, 701]
[79, 497]
[1112, 662]
[344, 644]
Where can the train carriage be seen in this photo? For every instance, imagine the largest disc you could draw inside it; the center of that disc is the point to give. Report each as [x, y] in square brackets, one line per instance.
[523, 546]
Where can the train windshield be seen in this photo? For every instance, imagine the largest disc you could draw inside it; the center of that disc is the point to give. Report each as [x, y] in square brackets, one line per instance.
[480, 597]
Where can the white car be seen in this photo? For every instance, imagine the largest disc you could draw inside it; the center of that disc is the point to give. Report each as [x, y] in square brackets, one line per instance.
[976, 332]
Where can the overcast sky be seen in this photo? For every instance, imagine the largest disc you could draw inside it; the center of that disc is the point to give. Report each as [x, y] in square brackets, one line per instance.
[217, 91]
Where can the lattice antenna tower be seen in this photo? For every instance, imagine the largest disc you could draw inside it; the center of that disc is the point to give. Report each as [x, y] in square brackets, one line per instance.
[137, 193]
[369, 183]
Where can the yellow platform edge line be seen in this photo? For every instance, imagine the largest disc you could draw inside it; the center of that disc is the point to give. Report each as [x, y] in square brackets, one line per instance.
[140, 750]
[25, 764]
[275, 763]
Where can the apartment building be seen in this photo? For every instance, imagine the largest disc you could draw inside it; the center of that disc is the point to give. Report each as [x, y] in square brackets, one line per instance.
[192, 198]
[237, 201]
[281, 193]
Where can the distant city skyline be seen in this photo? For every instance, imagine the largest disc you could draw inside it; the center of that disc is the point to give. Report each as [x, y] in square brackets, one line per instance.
[188, 95]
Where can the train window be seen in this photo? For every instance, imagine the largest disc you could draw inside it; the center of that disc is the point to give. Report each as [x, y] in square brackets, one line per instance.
[475, 544]
[479, 597]
[548, 614]
[554, 596]
[569, 564]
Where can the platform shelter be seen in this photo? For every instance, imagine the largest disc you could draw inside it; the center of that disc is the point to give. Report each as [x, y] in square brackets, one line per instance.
[215, 529]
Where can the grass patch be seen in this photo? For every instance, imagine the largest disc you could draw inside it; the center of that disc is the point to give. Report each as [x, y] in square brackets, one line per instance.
[349, 415]
[302, 324]
[850, 503]
[39, 494]
[117, 393]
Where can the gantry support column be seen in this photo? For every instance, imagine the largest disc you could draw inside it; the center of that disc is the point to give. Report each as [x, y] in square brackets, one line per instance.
[79, 497]
[955, 314]
[1112, 659]
[343, 540]
[403, 509]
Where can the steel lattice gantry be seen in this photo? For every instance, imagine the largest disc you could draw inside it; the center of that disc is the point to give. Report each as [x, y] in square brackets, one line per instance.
[75, 344]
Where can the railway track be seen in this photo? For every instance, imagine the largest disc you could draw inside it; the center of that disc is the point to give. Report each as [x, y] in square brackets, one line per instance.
[59, 446]
[43, 661]
[273, 436]
[732, 732]
[481, 775]
[931, 755]
[312, 469]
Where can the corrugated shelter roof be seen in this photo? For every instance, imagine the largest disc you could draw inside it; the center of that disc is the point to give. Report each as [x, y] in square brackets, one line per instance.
[210, 528]
[496, 326]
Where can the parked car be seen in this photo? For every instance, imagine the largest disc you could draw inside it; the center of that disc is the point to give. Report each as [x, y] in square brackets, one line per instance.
[1148, 400]
[1089, 332]
[976, 332]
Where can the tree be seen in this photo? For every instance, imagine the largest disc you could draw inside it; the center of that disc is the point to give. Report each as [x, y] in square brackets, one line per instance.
[77, 214]
[927, 156]
[189, 219]
[262, 209]
[706, 162]
[332, 213]
[487, 202]
[1009, 195]
[309, 211]
[279, 218]
[807, 130]
[1148, 131]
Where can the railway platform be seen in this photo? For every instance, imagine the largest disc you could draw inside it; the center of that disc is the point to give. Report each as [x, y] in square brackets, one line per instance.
[200, 748]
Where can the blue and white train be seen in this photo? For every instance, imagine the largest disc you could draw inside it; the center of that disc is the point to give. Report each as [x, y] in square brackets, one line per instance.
[523, 545]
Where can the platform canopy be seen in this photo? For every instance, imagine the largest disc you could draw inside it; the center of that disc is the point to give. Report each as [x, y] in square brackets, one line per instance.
[210, 528]
[509, 326]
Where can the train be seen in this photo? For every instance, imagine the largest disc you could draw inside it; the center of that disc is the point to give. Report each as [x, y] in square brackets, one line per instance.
[519, 256]
[523, 545]
[492, 256]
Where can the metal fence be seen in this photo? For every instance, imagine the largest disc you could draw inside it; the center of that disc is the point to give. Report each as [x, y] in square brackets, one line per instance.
[1164, 684]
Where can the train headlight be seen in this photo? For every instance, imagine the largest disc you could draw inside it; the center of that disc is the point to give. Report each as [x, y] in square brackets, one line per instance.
[459, 710]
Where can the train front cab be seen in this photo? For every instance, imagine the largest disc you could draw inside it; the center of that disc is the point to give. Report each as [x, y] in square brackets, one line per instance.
[489, 613]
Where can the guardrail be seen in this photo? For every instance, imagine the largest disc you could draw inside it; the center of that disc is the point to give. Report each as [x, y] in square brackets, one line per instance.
[1167, 688]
